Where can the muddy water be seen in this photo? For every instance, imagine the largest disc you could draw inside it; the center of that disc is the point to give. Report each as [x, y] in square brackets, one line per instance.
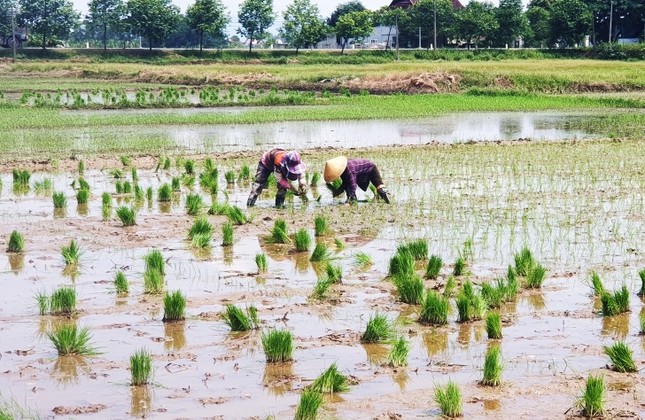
[552, 338]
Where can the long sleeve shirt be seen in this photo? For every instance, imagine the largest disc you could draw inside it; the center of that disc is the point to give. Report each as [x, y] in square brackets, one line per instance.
[356, 174]
[273, 160]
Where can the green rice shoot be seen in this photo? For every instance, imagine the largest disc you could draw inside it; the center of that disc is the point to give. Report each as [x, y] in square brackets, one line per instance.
[140, 368]
[240, 320]
[321, 253]
[302, 240]
[16, 242]
[592, 402]
[70, 340]
[379, 329]
[434, 267]
[310, 402]
[363, 260]
[621, 357]
[321, 227]
[59, 199]
[492, 367]
[448, 398]
[434, 309]
[63, 301]
[174, 304]
[71, 253]
[277, 345]
[153, 282]
[494, 326]
[127, 215]
[398, 356]
[410, 288]
[121, 284]
[154, 261]
[596, 284]
[261, 262]
[330, 381]
[227, 234]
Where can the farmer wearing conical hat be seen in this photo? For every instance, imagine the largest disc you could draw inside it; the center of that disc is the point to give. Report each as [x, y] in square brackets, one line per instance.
[354, 173]
[287, 166]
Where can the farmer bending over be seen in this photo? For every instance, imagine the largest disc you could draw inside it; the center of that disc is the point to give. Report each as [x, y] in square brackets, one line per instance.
[353, 173]
[286, 166]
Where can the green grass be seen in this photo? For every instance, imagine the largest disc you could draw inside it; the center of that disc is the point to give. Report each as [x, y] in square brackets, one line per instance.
[596, 284]
[417, 248]
[402, 263]
[621, 356]
[523, 262]
[230, 177]
[279, 232]
[125, 160]
[494, 326]
[70, 340]
[448, 398]
[641, 322]
[106, 199]
[227, 234]
[310, 403]
[434, 267]
[321, 226]
[121, 284]
[334, 272]
[189, 166]
[63, 301]
[398, 355]
[492, 367]
[592, 402]
[240, 320]
[154, 261]
[277, 345]
[320, 253]
[330, 381]
[536, 276]
[302, 240]
[21, 177]
[494, 294]
[42, 300]
[59, 199]
[641, 274]
[410, 288]
[174, 305]
[202, 240]
[81, 168]
[82, 196]
[460, 266]
[127, 215]
[434, 309]
[10, 409]
[200, 226]
[450, 287]
[194, 204]
[44, 186]
[71, 253]
[16, 242]
[245, 173]
[340, 245]
[140, 368]
[164, 193]
[261, 262]
[379, 329]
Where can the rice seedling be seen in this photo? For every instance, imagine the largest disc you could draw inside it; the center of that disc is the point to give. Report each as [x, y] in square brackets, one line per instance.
[59, 199]
[118, 187]
[236, 215]
[127, 215]
[402, 263]
[106, 212]
[464, 307]
[492, 367]
[448, 397]
[410, 288]
[379, 329]
[201, 240]
[164, 193]
[44, 186]
[330, 381]
[200, 226]
[523, 262]
[321, 253]
[512, 287]
[460, 266]
[321, 227]
[363, 260]
[321, 288]
[434, 267]
[535, 276]
[21, 177]
[63, 301]
[82, 196]
[83, 184]
[125, 160]
[153, 282]
[69, 339]
[334, 272]
[279, 232]
[149, 194]
[315, 179]
[593, 400]
[641, 274]
[140, 368]
[261, 262]
[493, 294]
[166, 164]
[71, 253]
[135, 175]
[81, 168]
[194, 204]
[449, 287]
[596, 284]
[116, 173]
[494, 326]
[175, 183]
[277, 345]
[218, 209]
[230, 177]
[154, 261]
[310, 402]
[434, 309]
[245, 173]
[302, 240]
[398, 356]
[189, 166]
[621, 356]
[418, 248]
[121, 284]
[174, 307]
[138, 193]
[106, 199]
[616, 303]
[227, 234]
[641, 321]
[239, 320]
[42, 301]
[127, 187]
[16, 242]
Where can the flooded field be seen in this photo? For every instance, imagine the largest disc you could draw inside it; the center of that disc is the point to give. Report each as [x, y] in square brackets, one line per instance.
[577, 206]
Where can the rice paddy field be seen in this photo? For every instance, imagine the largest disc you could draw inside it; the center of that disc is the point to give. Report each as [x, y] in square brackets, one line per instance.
[503, 281]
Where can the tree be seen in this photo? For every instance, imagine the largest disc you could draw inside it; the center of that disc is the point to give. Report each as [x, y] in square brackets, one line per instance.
[302, 25]
[5, 17]
[154, 19]
[343, 9]
[423, 15]
[512, 22]
[539, 27]
[104, 15]
[48, 18]
[476, 22]
[569, 21]
[356, 25]
[207, 17]
[255, 17]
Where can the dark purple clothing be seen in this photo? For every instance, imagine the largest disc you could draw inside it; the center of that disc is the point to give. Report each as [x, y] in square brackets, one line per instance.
[358, 173]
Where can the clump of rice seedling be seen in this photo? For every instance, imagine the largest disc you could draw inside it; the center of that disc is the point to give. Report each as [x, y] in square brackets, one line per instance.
[155, 262]
[189, 166]
[434, 309]
[330, 381]
[116, 173]
[16, 242]
[535, 276]
[315, 179]
[334, 272]
[219, 209]
[194, 204]
[21, 177]
[410, 288]
[448, 398]
[494, 326]
[71, 253]
[261, 262]
[236, 215]
[321, 253]
[42, 300]
[149, 194]
[321, 227]
[121, 284]
[138, 193]
[379, 329]
[166, 164]
[434, 267]
[135, 175]
[417, 248]
[230, 177]
[153, 282]
[512, 286]
[59, 199]
[81, 168]
[126, 161]
[493, 294]
[202, 240]
[321, 288]
[596, 284]
[240, 320]
[460, 266]
[399, 353]
[621, 356]
[450, 286]
[63, 301]
[164, 193]
[593, 400]
[118, 187]
[43, 186]
[127, 215]
[641, 321]
[616, 303]
[277, 345]
[362, 259]
[641, 274]
[310, 402]
[523, 262]
[127, 187]
[302, 240]
[492, 367]
[340, 245]
[106, 199]
[69, 339]
[279, 232]
[106, 212]
[82, 197]
[245, 173]
[175, 183]
[227, 234]
[200, 226]
[402, 263]
[470, 306]
[174, 307]
[83, 184]
[140, 368]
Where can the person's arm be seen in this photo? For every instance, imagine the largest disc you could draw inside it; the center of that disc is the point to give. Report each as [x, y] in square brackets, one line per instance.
[302, 183]
[335, 191]
[350, 187]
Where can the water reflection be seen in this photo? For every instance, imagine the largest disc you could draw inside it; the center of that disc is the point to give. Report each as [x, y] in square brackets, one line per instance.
[301, 262]
[435, 341]
[376, 353]
[16, 261]
[278, 378]
[67, 369]
[82, 210]
[140, 400]
[60, 213]
[536, 301]
[175, 335]
[228, 255]
[464, 334]
[401, 378]
[492, 405]
[616, 326]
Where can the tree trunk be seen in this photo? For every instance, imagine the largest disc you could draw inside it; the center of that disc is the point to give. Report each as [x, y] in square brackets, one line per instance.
[387, 46]
[250, 44]
[44, 40]
[149, 41]
[104, 37]
[201, 40]
[342, 46]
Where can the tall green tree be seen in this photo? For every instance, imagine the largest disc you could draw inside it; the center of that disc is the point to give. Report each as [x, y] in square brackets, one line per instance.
[207, 17]
[476, 22]
[512, 22]
[354, 25]
[569, 21]
[153, 19]
[539, 29]
[343, 9]
[255, 17]
[423, 16]
[303, 26]
[5, 17]
[48, 18]
[104, 15]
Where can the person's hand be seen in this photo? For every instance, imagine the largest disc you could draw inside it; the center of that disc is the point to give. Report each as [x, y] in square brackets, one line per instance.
[330, 187]
[303, 189]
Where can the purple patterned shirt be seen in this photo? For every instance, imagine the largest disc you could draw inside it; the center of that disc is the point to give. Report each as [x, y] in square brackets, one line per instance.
[357, 174]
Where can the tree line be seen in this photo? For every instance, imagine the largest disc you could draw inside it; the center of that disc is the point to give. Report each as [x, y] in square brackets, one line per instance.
[159, 23]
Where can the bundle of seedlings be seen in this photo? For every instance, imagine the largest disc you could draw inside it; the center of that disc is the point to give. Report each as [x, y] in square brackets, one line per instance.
[16, 242]
[236, 215]
[164, 193]
[153, 277]
[621, 356]
[59, 199]
[194, 204]
[230, 177]
[334, 272]
[121, 284]
[227, 234]
[526, 266]
[460, 266]
[417, 248]
[410, 288]
[21, 178]
[641, 274]
[448, 398]
[401, 263]
[592, 402]
[189, 167]
[279, 232]
[140, 368]
[219, 209]
[398, 356]
[492, 367]
[321, 227]
[330, 381]
[596, 284]
[321, 288]
[362, 260]
[240, 320]
[321, 253]
[616, 303]
[245, 174]
[379, 329]
[434, 309]
[71, 253]
[261, 262]
[70, 340]
[201, 233]
[302, 240]
[494, 326]
[174, 307]
[310, 402]
[127, 215]
[471, 306]
[434, 267]
[277, 345]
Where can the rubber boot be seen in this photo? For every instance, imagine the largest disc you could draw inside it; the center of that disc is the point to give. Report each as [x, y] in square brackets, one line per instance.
[382, 192]
[279, 201]
[251, 201]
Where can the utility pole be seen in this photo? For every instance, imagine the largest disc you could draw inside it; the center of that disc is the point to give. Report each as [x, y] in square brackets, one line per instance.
[397, 36]
[611, 18]
[434, 31]
[13, 29]
[419, 37]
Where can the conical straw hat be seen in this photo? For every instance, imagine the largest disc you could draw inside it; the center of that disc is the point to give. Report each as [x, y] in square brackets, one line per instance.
[334, 168]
